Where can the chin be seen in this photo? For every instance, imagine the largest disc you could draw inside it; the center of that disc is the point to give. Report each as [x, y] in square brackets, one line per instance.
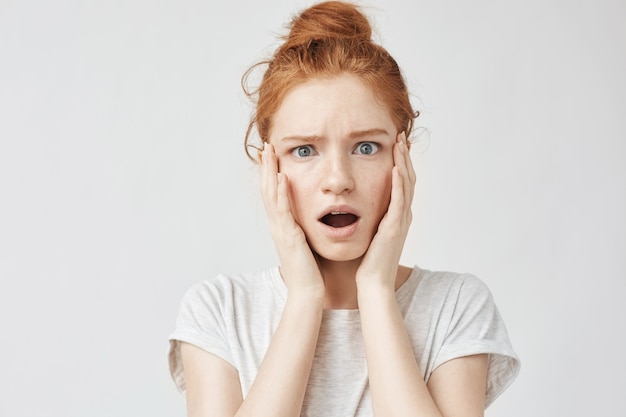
[340, 254]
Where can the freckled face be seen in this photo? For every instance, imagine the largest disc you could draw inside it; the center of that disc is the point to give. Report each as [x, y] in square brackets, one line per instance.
[334, 142]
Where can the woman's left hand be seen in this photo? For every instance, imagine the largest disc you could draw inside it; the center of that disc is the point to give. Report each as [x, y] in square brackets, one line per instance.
[380, 263]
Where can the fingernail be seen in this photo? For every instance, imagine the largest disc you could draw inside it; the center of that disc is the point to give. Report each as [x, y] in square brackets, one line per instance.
[402, 147]
[403, 135]
[279, 178]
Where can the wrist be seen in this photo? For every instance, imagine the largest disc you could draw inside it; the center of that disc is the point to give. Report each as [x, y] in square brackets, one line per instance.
[307, 296]
[375, 291]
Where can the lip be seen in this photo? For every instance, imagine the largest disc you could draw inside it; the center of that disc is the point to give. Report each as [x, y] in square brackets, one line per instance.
[339, 232]
[338, 208]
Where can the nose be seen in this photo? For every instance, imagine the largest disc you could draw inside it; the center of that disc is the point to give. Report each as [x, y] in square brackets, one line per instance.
[337, 175]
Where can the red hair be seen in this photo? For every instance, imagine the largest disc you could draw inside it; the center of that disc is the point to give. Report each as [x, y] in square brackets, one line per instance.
[326, 40]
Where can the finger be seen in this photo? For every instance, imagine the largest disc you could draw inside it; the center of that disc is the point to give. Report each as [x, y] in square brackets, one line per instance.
[400, 160]
[407, 171]
[409, 162]
[269, 183]
[269, 176]
[264, 176]
[409, 175]
[282, 198]
[276, 195]
[400, 155]
[280, 181]
[396, 203]
[406, 156]
[284, 206]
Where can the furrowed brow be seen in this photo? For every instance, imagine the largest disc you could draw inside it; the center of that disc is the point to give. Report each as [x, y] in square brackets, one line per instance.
[301, 139]
[368, 133]
[358, 134]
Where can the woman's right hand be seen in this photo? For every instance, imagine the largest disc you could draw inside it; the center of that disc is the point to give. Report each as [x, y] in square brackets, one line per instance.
[213, 385]
[298, 265]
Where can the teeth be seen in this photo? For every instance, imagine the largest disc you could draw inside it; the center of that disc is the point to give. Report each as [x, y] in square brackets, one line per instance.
[334, 213]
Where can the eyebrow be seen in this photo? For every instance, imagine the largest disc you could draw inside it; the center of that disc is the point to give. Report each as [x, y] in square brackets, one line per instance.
[369, 132]
[353, 135]
[305, 138]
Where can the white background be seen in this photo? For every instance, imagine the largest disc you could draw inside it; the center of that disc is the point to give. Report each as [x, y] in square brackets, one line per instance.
[123, 181]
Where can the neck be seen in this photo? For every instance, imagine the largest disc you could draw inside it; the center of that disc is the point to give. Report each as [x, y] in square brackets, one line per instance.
[340, 283]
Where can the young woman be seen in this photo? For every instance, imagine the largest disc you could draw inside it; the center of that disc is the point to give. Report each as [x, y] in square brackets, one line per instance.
[339, 328]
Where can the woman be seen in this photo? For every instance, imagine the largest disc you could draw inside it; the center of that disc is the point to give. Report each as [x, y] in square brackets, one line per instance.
[340, 328]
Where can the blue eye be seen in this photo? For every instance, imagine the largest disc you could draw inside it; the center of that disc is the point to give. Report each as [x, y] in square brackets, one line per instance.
[303, 151]
[366, 148]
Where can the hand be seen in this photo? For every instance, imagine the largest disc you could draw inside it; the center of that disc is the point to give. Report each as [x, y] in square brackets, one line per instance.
[380, 263]
[298, 266]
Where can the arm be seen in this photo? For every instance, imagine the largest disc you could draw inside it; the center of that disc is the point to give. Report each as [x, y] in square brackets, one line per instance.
[278, 389]
[396, 383]
[456, 388]
[213, 386]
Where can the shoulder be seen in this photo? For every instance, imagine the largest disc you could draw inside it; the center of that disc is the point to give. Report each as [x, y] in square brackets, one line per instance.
[460, 316]
[228, 283]
[224, 291]
[445, 299]
[447, 285]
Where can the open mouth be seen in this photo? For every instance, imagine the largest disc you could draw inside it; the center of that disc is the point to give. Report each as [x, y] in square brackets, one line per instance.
[339, 219]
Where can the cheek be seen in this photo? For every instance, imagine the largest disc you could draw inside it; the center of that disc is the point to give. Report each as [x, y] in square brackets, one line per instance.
[380, 188]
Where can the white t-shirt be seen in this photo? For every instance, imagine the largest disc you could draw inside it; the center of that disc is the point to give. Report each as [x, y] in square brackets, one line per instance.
[447, 315]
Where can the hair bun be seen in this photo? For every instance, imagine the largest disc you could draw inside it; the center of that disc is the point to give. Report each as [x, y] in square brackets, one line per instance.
[331, 19]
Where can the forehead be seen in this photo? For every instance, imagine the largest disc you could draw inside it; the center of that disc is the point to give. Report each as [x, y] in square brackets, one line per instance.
[330, 106]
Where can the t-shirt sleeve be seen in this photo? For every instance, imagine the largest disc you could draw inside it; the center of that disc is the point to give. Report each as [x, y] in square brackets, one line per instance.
[201, 323]
[476, 327]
